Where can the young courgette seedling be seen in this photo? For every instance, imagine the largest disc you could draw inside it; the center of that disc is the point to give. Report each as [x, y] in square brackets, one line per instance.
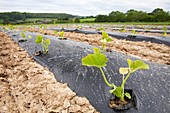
[5, 28]
[56, 32]
[11, 27]
[79, 27]
[99, 60]
[133, 31]
[105, 39]
[61, 34]
[164, 31]
[44, 43]
[123, 30]
[23, 36]
[132, 67]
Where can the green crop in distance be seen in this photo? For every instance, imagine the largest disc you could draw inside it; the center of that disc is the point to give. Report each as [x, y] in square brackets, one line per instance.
[11, 27]
[133, 31]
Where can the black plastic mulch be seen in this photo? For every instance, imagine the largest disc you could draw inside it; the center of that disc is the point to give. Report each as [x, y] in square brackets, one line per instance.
[152, 86]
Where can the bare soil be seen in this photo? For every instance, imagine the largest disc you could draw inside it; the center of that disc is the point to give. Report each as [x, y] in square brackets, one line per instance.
[148, 51]
[27, 87]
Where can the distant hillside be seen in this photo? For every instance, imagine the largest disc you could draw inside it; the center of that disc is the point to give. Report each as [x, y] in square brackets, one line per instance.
[9, 17]
[49, 15]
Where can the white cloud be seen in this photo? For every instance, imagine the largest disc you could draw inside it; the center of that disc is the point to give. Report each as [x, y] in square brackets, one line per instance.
[82, 7]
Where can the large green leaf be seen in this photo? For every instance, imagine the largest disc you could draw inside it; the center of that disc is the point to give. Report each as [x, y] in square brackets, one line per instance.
[47, 41]
[97, 59]
[137, 64]
[39, 39]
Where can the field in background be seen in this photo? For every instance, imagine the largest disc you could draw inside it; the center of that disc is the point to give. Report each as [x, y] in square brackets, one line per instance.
[87, 20]
[34, 19]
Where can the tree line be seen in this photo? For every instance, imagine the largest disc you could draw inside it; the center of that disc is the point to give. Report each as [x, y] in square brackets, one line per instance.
[14, 17]
[157, 15]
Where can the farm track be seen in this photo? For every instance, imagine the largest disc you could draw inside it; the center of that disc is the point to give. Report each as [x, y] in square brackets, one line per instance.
[148, 51]
[27, 87]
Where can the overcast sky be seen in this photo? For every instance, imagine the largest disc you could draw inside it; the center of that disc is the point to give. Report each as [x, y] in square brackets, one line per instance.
[81, 7]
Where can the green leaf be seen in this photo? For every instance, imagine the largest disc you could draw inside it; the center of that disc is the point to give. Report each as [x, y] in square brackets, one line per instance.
[108, 39]
[61, 34]
[128, 95]
[39, 39]
[47, 41]
[23, 35]
[55, 32]
[164, 28]
[111, 91]
[123, 71]
[97, 59]
[118, 92]
[103, 40]
[137, 64]
[164, 34]
[29, 36]
[104, 35]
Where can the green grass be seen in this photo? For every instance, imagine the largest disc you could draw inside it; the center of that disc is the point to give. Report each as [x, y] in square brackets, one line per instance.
[87, 20]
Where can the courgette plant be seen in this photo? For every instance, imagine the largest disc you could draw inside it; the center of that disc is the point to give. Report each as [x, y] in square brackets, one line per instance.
[44, 43]
[79, 27]
[11, 27]
[164, 31]
[61, 34]
[56, 32]
[99, 60]
[100, 28]
[105, 39]
[134, 32]
[23, 36]
[5, 28]
[123, 30]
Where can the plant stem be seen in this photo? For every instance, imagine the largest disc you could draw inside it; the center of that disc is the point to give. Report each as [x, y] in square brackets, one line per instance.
[103, 46]
[126, 79]
[42, 44]
[105, 80]
[122, 86]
